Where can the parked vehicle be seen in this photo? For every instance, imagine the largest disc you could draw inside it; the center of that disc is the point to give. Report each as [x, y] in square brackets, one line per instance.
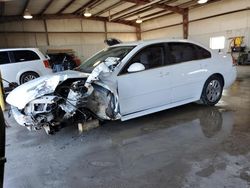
[62, 61]
[125, 81]
[20, 65]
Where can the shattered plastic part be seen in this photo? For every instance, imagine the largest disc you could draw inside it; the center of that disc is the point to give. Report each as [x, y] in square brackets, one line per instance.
[93, 94]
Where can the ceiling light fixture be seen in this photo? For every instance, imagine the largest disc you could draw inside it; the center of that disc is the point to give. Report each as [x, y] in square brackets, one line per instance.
[27, 14]
[87, 13]
[139, 20]
[202, 1]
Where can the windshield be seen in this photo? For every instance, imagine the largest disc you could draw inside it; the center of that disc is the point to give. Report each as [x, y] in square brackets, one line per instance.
[118, 52]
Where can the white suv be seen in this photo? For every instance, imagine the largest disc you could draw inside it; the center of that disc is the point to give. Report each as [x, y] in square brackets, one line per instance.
[21, 65]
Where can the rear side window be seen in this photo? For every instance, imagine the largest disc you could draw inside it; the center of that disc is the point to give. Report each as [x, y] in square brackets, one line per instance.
[181, 52]
[25, 55]
[4, 58]
[202, 53]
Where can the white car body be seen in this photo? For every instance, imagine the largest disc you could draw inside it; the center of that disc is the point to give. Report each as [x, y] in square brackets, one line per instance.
[112, 92]
[13, 70]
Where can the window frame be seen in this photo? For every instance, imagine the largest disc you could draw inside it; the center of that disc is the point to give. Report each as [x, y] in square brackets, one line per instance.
[197, 55]
[13, 58]
[123, 70]
[8, 58]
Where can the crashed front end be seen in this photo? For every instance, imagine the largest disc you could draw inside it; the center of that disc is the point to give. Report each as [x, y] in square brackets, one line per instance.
[49, 101]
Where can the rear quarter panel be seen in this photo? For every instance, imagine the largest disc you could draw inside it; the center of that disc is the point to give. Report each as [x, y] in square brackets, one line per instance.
[222, 64]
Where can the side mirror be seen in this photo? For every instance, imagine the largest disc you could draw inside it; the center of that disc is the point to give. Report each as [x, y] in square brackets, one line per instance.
[136, 67]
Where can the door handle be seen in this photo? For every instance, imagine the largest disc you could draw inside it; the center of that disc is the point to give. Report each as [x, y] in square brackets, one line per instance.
[164, 74]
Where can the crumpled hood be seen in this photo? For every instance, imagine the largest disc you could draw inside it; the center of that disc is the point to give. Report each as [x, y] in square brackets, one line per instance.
[24, 93]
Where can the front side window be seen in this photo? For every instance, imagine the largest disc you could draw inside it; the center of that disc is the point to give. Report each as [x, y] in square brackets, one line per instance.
[117, 52]
[25, 55]
[4, 58]
[151, 57]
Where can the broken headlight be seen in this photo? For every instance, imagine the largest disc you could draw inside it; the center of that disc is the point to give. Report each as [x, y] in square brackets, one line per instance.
[45, 87]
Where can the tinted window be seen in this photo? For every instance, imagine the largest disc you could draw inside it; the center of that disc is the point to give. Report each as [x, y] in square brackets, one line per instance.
[181, 52]
[25, 55]
[4, 58]
[202, 53]
[150, 57]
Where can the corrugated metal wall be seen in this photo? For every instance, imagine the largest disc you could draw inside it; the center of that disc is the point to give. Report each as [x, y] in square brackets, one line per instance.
[84, 36]
[229, 25]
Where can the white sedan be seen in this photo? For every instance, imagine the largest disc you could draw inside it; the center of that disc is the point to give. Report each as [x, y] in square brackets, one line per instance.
[125, 81]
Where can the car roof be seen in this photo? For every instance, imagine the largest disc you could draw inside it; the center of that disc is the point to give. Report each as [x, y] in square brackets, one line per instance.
[16, 49]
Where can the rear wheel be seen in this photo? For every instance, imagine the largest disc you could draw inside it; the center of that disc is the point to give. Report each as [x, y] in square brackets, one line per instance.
[27, 76]
[212, 91]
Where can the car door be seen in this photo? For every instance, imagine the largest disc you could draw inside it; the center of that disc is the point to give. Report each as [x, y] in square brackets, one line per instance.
[188, 74]
[139, 91]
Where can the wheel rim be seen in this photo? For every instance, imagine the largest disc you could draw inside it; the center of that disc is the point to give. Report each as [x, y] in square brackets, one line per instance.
[213, 90]
[28, 78]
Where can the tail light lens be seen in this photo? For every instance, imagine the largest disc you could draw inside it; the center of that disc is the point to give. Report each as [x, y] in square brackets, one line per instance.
[234, 61]
[46, 63]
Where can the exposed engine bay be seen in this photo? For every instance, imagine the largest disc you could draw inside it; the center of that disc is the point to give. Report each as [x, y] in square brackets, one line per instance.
[75, 99]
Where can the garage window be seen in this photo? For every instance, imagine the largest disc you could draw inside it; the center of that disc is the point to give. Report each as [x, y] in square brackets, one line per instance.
[217, 43]
[4, 58]
[25, 55]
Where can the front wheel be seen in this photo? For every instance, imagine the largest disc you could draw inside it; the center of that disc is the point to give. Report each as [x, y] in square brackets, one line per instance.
[27, 76]
[212, 91]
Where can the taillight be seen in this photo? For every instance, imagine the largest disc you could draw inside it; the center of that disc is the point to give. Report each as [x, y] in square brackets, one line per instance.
[234, 61]
[46, 63]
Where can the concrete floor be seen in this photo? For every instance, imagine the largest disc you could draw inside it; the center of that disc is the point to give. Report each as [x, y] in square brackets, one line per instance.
[189, 146]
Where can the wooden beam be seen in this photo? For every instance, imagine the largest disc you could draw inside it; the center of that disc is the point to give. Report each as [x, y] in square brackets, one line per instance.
[109, 8]
[105, 30]
[153, 14]
[175, 9]
[138, 2]
[130, 10]
[185, 24]
[26, 4]
[86, 5]
[66, 6]
[46, 7]
[138, 32]
[64, 32]
[183, 5]
[62, 16]
[200, 19]
[168, 1]
[187, 4]
[46, 32]
[201, 5]
[2, 7]
[124, 10]
[134, 13]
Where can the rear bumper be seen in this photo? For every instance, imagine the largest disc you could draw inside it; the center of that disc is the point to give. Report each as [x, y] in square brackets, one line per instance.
[230, 77]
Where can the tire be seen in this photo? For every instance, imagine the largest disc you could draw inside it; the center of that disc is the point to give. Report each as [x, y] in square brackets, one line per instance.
[212, 91]
[27, 76]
